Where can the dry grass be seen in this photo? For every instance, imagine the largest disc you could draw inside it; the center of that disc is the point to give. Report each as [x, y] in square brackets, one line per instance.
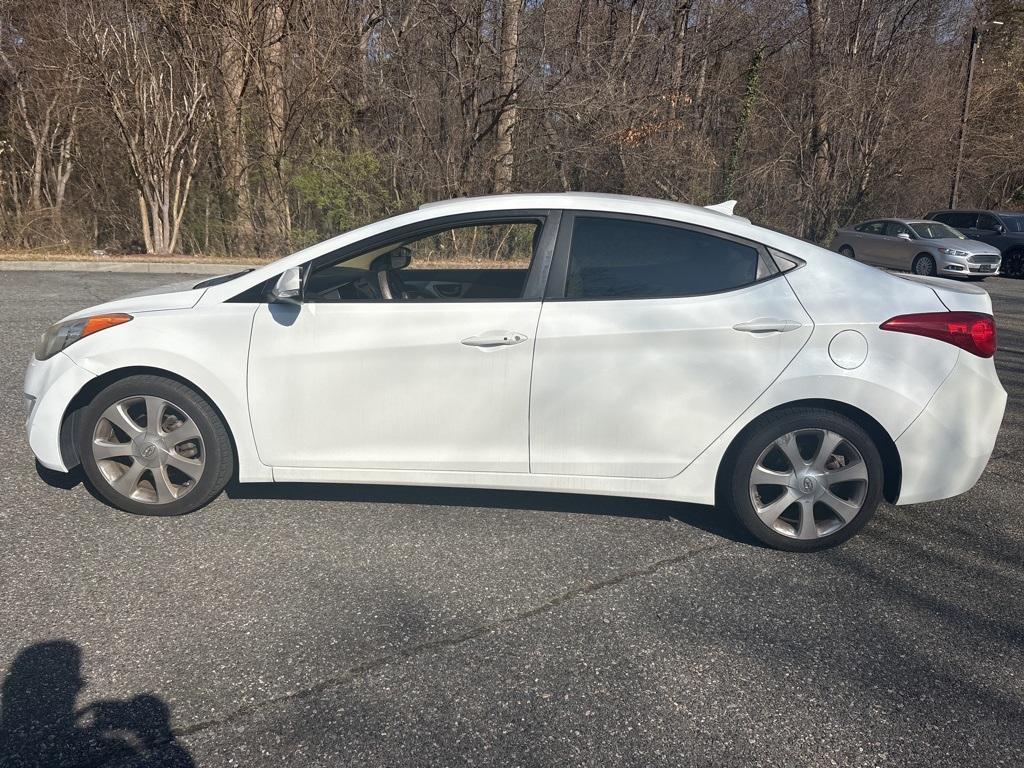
[468, 264]
[128, 257]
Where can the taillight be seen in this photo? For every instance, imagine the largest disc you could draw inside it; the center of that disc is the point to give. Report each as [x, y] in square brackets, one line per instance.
[972, 331]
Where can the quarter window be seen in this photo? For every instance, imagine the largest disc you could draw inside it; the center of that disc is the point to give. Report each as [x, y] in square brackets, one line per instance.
[620, 258]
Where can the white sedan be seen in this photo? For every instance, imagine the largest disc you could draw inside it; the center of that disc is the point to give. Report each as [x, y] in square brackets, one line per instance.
[554, 342]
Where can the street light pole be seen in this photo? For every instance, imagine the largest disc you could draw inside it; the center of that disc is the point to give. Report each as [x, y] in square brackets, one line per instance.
[972, 55]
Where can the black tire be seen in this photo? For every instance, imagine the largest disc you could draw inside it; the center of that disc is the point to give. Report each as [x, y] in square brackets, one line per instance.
[215, 446]
[735, 488]
[924, 265]
[847, 251]
[1013, 264]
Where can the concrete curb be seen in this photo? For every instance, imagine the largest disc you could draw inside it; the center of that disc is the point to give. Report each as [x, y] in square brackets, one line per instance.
[153, 267]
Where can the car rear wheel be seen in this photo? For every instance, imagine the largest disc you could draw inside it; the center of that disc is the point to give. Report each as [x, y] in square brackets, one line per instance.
[805, 479]
[847, 251]
[153, 446]
[923, 265]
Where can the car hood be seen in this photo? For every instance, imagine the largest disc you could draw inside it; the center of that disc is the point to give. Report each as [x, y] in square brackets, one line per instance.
[181, 295]
[971, 246]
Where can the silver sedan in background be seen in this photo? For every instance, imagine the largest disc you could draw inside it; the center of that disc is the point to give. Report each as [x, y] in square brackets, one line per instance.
[922, 247]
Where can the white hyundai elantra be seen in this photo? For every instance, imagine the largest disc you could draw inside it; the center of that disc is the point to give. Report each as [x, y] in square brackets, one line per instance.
[554, 342]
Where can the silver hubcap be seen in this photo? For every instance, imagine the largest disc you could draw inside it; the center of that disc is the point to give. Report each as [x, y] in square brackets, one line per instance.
[924, 267]
[808, 484]
[148, 449]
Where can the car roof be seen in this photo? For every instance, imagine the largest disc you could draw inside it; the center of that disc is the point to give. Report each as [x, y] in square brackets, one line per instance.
[890, 218]
[603, 201]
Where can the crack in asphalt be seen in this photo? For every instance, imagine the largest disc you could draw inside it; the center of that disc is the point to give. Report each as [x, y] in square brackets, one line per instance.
[429, 646]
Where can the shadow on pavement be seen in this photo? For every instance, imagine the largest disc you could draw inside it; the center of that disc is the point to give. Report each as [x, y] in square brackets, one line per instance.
[63, 480]
[706, 518]
[40, 726]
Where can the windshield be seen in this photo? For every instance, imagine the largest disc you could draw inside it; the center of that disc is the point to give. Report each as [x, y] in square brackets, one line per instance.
[934, 230]
[1014, 223]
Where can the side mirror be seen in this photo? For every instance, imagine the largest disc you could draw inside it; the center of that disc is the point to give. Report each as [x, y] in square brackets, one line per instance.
[904, 236]
[288, 288]
[999, 229]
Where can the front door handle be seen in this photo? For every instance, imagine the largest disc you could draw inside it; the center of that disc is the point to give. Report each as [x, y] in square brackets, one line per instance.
[495, 339]
[767, 325]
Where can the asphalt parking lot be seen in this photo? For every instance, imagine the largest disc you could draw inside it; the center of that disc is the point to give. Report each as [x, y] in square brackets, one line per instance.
[359, 626]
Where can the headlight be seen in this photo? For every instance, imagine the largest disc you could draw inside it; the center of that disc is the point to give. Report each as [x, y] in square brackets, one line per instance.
[63, 335]
[953, 252]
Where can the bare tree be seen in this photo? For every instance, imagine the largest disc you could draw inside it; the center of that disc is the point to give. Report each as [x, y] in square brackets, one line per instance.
[283, 121]
[39, 156]
[157, 92]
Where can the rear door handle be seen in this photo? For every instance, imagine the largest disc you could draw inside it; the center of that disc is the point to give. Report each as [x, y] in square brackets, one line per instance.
[495, 339]
[767, 325]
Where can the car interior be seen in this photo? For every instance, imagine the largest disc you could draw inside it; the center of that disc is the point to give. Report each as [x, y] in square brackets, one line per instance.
[480, 262]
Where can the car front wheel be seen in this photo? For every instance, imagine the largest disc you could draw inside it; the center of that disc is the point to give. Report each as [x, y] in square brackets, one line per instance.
[805, 479]
[923, 265]
[153, 446]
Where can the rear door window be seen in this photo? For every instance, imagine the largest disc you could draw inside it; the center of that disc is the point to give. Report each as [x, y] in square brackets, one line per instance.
[620, 258]
[895, 229]
[871, 227]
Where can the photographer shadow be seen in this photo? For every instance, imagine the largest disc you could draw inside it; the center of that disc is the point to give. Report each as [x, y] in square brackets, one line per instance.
[40, 725]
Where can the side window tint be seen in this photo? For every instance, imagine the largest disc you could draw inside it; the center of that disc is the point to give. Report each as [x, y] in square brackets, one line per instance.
[619, 258]
[961, 219]
[987, 221]
[894, 228]
[872, 227]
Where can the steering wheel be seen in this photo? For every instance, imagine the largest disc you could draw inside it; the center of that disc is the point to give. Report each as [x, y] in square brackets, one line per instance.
[393, 287]
[386, 267]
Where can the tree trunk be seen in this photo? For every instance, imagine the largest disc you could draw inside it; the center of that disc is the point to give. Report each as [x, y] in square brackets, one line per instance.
[147, 234]
[276, 212]
[820, 214]
[680, 21]
[235, 72]
[504, 150]
[753, 83]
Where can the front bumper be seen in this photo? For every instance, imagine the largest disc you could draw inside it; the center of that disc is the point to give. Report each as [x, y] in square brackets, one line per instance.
[962, 266]
[945, 450]
[50, 386]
